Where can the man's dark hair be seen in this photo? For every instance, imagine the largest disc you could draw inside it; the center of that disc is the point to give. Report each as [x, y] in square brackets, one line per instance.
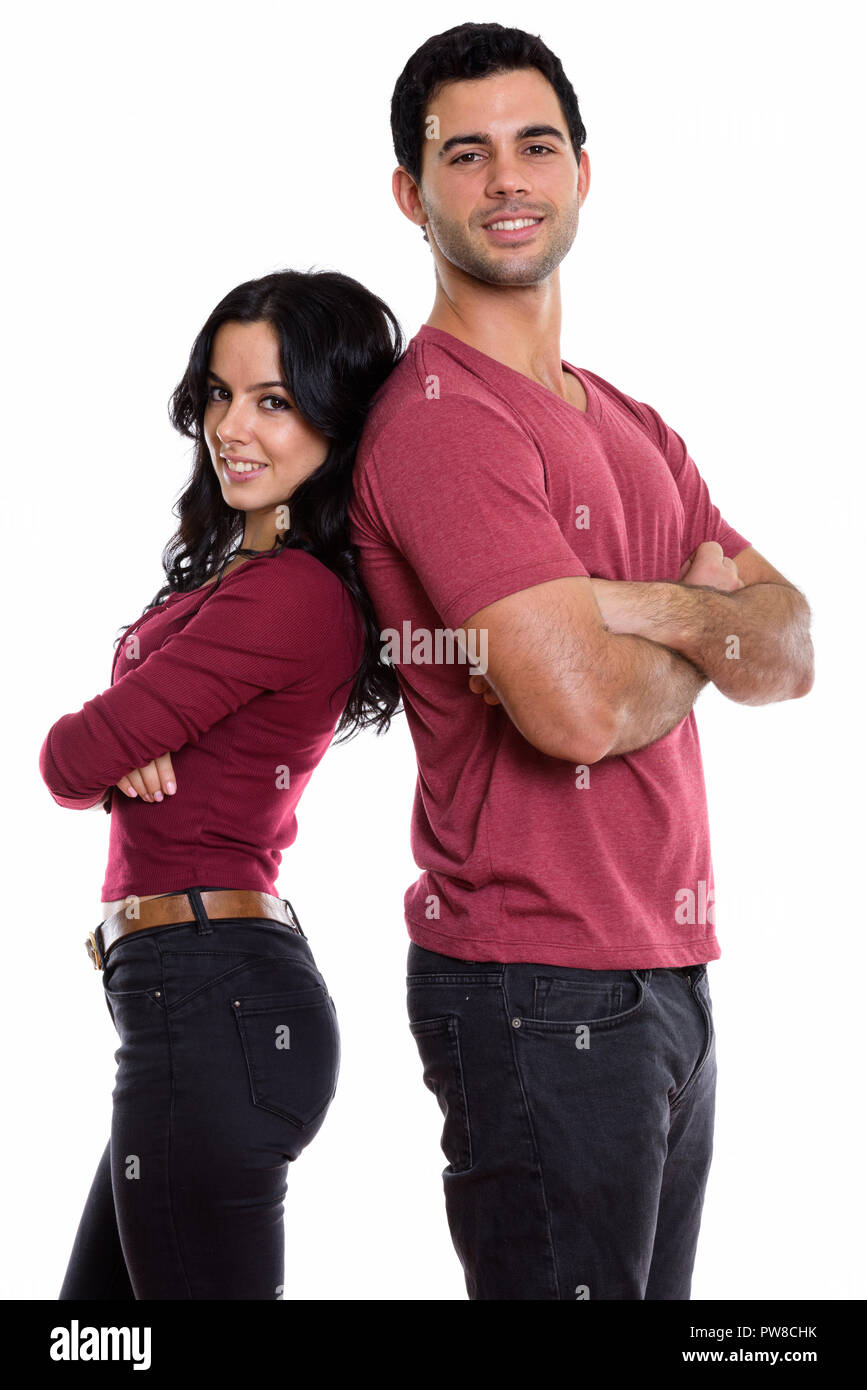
[458, 55]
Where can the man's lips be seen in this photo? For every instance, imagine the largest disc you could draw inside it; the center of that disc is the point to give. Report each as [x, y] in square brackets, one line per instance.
[505, 231]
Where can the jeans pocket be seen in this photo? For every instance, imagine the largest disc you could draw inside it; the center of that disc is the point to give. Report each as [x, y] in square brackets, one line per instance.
[562, 1005]
[438, 1043]
[133, 969]
[291, 1045]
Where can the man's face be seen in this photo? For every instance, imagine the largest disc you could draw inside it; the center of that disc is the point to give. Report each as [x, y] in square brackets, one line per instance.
[502, 153]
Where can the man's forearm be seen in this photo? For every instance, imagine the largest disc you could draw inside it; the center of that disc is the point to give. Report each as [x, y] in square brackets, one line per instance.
[649, 689]
[753, 643]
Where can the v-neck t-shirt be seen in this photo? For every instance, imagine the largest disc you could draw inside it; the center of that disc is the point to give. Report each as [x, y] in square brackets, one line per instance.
[473, 482]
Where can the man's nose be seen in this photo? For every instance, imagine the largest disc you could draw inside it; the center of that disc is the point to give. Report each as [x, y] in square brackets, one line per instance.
[507, 177]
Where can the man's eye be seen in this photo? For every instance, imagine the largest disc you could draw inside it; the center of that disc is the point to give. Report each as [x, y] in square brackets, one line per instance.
[544, 148]
[468, 154]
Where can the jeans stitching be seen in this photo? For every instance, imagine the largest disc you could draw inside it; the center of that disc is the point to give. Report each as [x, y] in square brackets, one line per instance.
[532, 1132]
[691, 1083]
[169, 1173]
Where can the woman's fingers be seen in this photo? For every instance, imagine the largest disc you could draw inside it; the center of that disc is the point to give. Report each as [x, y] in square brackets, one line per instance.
[135, 782]
[166, 773]
[152, 782]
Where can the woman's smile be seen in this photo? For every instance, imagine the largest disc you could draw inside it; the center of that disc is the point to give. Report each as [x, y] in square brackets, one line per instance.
[241, 470]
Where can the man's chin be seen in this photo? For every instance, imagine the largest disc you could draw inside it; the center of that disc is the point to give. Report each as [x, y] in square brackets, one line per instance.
[521, 273]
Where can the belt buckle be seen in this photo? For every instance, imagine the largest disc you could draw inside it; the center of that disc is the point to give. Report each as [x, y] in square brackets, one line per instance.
[92, 946]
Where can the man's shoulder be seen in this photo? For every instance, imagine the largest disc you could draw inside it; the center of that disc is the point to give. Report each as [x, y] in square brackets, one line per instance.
[428, 374]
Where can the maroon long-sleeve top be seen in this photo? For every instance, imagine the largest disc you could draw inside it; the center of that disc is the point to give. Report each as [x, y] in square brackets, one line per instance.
[243, 682]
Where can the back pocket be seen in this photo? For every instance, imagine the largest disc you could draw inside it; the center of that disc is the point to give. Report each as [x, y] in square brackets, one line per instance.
[291, 1045]
[439, 1049]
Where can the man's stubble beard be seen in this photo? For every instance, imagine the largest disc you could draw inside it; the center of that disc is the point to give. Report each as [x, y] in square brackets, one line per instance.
[455, 245]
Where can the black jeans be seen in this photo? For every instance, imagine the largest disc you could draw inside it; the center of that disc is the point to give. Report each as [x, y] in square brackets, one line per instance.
[228, 1062]
[578, 1122]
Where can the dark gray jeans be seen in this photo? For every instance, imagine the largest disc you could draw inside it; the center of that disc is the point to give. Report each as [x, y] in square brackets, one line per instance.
[228, 1061]
[578, 1122]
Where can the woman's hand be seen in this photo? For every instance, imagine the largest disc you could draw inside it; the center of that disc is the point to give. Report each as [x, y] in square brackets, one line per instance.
[152, 781]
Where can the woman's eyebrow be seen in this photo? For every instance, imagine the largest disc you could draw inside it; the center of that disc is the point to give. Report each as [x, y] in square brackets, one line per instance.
[257, 386]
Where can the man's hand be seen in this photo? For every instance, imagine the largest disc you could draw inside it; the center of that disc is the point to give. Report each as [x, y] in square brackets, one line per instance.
[151, 781]
[622, 602]
[707, 565]
[479, 686]
[749, 636]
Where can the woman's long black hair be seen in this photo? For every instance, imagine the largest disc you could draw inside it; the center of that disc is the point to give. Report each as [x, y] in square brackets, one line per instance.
[338, 343]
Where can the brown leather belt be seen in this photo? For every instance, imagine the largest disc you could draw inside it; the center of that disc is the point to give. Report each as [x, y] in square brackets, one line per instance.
[178, 907]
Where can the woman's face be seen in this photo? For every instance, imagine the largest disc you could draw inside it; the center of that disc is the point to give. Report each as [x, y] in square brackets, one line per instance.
[260, 447]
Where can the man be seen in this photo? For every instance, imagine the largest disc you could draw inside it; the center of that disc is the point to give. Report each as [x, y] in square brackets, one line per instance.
[563, 920]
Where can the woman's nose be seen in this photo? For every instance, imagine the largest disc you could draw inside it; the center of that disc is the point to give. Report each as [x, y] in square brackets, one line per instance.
[233, 428]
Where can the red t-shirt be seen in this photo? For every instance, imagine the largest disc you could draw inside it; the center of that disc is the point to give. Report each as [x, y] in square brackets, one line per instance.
[237, 681]
[471, 484]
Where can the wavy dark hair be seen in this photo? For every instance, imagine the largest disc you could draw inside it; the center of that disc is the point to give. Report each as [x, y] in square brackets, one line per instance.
[468, 51]
[338, 344]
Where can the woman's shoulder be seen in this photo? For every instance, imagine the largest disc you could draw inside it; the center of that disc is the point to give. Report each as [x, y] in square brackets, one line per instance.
[296, 582]
[281, 569]
[300, 569]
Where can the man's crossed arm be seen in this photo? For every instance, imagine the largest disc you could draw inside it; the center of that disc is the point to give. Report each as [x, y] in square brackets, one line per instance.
[753, 643]
[589, 668]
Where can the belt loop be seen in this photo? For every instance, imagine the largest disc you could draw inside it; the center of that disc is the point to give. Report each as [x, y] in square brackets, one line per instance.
[203, 925]
[294, 917]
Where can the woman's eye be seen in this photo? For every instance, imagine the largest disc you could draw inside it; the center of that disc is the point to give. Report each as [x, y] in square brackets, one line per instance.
[278, 400]
[214, 392]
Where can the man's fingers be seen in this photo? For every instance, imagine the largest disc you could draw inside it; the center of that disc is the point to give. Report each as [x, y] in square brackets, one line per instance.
[479, 686]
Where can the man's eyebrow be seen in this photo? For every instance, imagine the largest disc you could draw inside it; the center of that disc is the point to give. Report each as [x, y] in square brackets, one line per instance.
[257, 385]
[523, 134]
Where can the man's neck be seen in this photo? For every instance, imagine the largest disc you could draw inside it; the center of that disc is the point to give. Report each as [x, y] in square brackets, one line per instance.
[519, 329]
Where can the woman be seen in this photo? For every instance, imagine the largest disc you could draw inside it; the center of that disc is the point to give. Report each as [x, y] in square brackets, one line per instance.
[225, 694]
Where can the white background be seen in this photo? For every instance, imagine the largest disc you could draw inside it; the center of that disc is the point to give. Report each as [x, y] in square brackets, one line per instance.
[155, 157]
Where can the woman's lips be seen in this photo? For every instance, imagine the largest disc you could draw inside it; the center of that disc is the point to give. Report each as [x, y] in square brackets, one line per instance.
[245, 477]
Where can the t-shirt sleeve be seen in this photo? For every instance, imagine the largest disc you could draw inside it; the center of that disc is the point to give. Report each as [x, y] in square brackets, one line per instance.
[459, 489]
[264, 627]
[702, 520]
